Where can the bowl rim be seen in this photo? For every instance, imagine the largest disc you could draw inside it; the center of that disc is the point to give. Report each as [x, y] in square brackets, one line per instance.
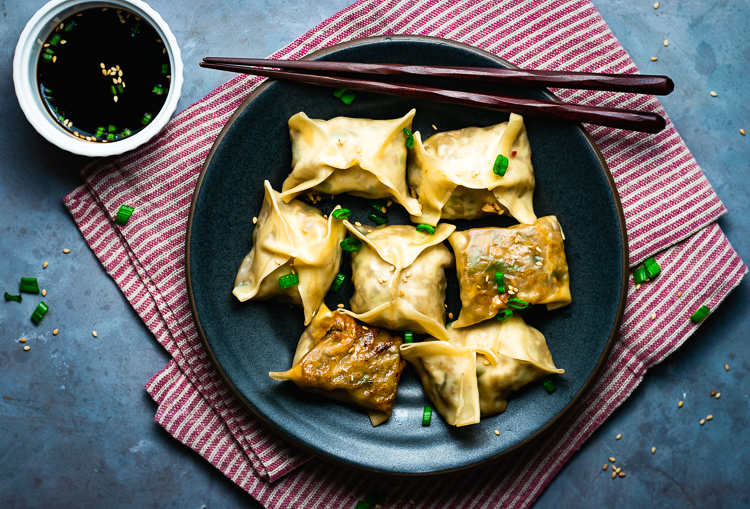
[25, 56]
[320, 454]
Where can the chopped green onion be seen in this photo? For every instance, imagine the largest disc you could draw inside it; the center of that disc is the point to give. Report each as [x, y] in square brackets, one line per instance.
[500, 279]
[47, 58]
[410, 142]
[407, 132]
[126, 132]
[39, 312]
[640, 275]
[165, 68]
[408, 337]
[158, 90]
[517, 303]
[123, 214]
[70, 26]
[503, 314]
[361, 504]
[426, 416]
[135, 29]
[339, 93]
[99, 131]
[700, 314]
[55, 40]
[351, 244]
[652, 268]
[288, 281]
[426, 228]
[49, 51]
[16, 298]
[501, 165]
[147, 117]
[29, 285]
[348, 97]
[120, 90]
[337, 282]
[341, 213]
[110, 136]
[113, 89]
[549, 386]
[111, 128]
[378, 206]
[377, 218]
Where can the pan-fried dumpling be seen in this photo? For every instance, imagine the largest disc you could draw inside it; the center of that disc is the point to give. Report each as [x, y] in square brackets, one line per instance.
[531, 258]
[291, 237]
[452, 173]
[358, 156]
[522, 353]
[399, 278]
[348, 362]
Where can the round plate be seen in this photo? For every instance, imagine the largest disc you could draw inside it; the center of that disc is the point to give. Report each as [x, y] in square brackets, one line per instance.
[247, 340]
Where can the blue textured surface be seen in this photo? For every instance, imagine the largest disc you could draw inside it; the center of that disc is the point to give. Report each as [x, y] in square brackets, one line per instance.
[76, 426]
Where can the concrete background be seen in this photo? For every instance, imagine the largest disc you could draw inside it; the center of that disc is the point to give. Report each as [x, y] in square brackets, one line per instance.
[76, 425]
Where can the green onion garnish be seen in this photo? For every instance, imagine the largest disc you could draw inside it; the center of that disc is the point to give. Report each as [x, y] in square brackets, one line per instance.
[426, 416]
[147, 117]
[29, 285]
[339, 93]
[49, 51]
[409, 138]
[113, 89]
[341, 213]
[165, 68]
[700, 314]
[337, 282]
[288, 281]
[99, 131]
[378, 206]
[361, 504]
[135, 29]
[39, 312]
[652, 268]
[111, 128]
[503, 314]
[70, 26]
[348, 97]
[55, 40]
[351, 244]
[549, 386]
[158, 90]
[120, 90]
[47, 58]
[377, 218]
[16, 298]
[123, 214]
[501, 165]
[500, 279]
[640, 275]
[125, 133]
[517, 303]
[407, 132]
[408, 337]
[426, 228]
[110, 136]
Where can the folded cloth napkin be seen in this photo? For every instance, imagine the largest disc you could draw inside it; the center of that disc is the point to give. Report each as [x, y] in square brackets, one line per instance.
[670, 210]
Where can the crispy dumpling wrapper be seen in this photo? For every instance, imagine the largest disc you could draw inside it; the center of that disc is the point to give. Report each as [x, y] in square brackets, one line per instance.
[531, 257]
[522, 357]
[348, 362]
[399, 259]
[285, 234]
[358, 156]
[452, 173]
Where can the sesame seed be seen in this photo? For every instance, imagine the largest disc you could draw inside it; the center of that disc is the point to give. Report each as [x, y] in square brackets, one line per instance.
[487, 279]
[653, 450]
[486, 362]
[709, 417]
[402, 293]
[618, 437]
[666, 42]
[718, 395]
[537, 247]
[742, 132]
[702, 422]
[726, 367]
[713, 94]
[511, 292]
[612, 460]
[340, 306]
[255, 220]
[433, 126]
[63, 41]
[392, 268]
[46, 45]
[382, 209]
[638, 286]
[618, 470]
[614, 474]
[54, 332]
[158, 40]
[606, 465]
[93, 333]
[44, 292]
[102, 65]
[164, 50]
[54, 59]
[79, 14]
[679, 294]
[539, 263]
[27, 348]
[621, 474]
[450, 315]
[654, 59]
[45, 265]
[411, 502]
[304, 230]
[497, 432]
[404, 279]
[66, 251]
[114, 80]
[408, 274]
[22, 340]
[653, 316]
[365, 328]
[277, 262]
[713, 393]
[115, 98]
[387, 204]
[357, 223]
[679, 405]
[656, 5]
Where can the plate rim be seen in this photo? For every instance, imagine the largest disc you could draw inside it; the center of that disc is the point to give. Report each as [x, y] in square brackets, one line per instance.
[320, 454]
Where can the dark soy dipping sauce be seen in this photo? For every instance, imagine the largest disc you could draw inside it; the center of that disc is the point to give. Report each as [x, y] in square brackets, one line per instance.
[80, 62]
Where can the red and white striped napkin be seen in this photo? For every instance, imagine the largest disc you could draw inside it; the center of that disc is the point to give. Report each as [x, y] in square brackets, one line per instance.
[670, 210]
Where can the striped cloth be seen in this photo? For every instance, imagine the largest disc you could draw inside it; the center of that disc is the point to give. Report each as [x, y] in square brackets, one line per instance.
[670, 210]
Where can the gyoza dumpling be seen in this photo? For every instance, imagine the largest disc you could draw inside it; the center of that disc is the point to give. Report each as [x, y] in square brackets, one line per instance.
[358, 156]
[452, 173]
[399, 278]
[522, 357]
[530, 257]
[341, 359]
[291, 237]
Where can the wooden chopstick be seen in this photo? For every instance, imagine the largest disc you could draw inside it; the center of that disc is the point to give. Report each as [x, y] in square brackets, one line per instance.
[634, 83]
[611, 117]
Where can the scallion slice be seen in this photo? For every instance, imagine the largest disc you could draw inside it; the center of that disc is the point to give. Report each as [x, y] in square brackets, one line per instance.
[135, 29]
[55, 40]
[501, 165]
[111, 128]
[288, 281]
[407, 132]
[351, 244]
[158, 90]
[165, 68]
[29, 285]
[110, 136]
[378, 218]
[16, 298]
[426, 416]
[652, 267]
[700, 314]
[518, 303]
[408, 337]
[339, 93]
[426, 228]
[126, 132]
[341, 213]
[504, 314]
[123, 215]
[549, 386]
[409, 138]
[337, 282]
[640, 275]
[70, 26]
[378, 206]
[120, 90]
[147, 117]
[39, 312]
[348, 97]
[500, 279]
[113, 89]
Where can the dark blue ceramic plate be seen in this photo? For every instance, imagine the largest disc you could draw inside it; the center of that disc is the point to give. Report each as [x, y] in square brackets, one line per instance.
[247, 340]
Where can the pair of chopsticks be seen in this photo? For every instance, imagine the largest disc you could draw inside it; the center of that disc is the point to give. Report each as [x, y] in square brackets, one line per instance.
[290, 70]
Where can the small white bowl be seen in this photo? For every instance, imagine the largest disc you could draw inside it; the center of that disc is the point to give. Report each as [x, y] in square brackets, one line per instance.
[25, 79]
